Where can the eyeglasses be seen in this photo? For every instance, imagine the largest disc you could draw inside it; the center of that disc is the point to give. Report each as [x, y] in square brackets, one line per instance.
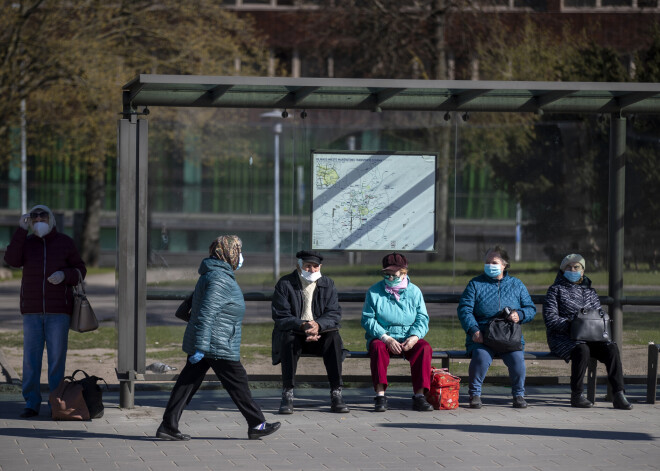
[40, 214]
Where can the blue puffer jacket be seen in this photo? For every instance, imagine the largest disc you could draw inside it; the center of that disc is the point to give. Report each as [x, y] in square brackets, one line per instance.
[484, 297]
[217, 313]
[562, 303]
[383, 314]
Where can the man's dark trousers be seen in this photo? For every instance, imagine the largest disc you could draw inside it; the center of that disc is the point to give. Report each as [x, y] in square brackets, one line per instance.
[329, 346]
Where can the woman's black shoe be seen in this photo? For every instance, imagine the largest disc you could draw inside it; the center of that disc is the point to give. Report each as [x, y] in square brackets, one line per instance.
[29, 413]
[166, 434]
[381, 403]
[254, 434]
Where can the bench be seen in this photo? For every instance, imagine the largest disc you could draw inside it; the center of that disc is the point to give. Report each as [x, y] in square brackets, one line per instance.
[448, 355]
[652, 373]
[444, 356]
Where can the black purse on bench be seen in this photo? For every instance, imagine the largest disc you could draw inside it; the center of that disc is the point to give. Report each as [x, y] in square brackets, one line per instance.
[591, 325]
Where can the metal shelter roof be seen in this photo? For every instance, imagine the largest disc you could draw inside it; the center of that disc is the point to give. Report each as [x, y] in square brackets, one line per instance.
[379, 94]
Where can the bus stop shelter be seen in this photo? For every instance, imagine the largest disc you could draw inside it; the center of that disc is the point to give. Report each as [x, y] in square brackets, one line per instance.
[618, 100]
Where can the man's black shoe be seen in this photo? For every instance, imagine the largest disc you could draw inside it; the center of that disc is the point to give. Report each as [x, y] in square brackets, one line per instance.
[166, 434]
[29, 413]
[620, 401]
[337, 403]
[254, 434]
[286, 406]
[381, 404]
[421, 404]
[581, 402]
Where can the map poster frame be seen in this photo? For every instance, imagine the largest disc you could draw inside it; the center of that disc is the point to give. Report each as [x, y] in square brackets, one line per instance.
[373, 201]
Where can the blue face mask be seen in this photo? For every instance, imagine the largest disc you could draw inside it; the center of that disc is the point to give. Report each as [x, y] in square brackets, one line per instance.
[572, 276]
[240, 261]
[492, 269]
[393, 282]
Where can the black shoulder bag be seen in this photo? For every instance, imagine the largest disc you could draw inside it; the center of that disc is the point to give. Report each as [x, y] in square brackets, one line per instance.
[591, 325]
[503, 335]
[183, 311]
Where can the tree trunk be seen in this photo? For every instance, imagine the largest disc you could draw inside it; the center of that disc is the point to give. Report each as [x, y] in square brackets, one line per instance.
[442, 141]
[94, 198]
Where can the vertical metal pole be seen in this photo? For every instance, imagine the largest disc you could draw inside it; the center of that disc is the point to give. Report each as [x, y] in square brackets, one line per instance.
[277, 129]
[518, 255]
[131, 253]
[23, 159]
[616, 221]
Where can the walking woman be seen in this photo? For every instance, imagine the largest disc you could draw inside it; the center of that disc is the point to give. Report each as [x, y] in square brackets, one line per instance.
[213, 340]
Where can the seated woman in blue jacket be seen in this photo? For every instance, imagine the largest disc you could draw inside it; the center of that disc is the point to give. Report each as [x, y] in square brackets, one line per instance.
[395, 320]
[213, 340]
[484, 297]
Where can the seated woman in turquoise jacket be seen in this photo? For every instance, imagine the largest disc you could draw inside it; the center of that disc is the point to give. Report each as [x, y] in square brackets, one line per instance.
[484, 297]
[395, 320]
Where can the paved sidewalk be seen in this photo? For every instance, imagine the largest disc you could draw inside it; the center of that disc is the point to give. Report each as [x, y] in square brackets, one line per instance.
[549, 435]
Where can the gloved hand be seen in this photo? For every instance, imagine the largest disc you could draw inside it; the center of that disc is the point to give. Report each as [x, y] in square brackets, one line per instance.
[196, 357]
[56, 278]
[24, 221]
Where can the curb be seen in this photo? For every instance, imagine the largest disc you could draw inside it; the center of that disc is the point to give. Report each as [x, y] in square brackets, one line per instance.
[10, 375]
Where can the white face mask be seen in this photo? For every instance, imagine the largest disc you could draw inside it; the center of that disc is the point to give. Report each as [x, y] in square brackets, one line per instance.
[40, 228]
[309, 276]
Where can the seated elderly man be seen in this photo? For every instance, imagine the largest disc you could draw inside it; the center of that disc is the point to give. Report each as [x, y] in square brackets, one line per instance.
[307, 314]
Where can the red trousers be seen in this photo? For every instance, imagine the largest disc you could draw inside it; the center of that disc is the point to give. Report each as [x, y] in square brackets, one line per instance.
[419, 356]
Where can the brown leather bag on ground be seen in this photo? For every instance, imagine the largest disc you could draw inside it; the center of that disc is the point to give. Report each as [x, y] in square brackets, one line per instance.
[67, 401]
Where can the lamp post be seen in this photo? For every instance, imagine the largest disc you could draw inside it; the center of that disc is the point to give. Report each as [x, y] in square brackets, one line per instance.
[23, 160]
[277, 130]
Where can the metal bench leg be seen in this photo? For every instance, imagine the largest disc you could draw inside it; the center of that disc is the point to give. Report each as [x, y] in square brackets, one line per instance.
[445, 362]
[652, 374]
[591, 380]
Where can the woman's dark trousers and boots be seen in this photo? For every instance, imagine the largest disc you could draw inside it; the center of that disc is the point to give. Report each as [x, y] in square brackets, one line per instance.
[606, 353]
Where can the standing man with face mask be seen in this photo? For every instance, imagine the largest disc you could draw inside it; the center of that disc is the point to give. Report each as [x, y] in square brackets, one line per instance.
[51, 267]
[307, 318]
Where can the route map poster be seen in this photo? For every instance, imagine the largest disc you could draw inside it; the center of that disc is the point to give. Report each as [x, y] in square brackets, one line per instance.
[373, 201]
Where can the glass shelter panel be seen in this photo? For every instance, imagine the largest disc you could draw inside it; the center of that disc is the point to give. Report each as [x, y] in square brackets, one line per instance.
[538, 186]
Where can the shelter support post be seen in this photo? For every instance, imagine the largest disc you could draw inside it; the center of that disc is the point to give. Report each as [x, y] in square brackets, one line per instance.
[615, 229]
[131, 291]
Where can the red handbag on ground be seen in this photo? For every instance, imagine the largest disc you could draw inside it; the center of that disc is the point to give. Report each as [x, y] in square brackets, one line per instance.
[443, 393]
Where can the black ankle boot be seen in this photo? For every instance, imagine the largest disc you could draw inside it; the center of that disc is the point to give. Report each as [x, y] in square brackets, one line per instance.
[578, 400]
[620, 401]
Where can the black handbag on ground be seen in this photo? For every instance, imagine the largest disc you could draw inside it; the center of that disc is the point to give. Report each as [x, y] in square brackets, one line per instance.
[92, 393]
[591, 325]
[503, 335]
[184, 310]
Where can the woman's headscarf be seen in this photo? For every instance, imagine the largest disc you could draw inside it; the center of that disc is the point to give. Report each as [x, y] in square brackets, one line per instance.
[226, 248]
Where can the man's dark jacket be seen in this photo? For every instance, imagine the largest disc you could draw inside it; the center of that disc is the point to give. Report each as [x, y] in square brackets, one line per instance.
[288, 304]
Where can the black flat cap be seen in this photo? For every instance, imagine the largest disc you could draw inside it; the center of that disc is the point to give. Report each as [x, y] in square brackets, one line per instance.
[310, 256]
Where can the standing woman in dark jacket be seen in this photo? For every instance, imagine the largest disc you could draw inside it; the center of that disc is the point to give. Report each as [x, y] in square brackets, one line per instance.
[51, 267]
[213, 340]
[570, 293]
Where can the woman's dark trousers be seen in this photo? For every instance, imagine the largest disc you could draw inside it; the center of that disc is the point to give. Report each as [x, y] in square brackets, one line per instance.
[606, 353]
[234, 379]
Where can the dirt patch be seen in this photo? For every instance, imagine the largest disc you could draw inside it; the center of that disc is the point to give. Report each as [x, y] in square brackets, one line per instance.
[102, 362]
